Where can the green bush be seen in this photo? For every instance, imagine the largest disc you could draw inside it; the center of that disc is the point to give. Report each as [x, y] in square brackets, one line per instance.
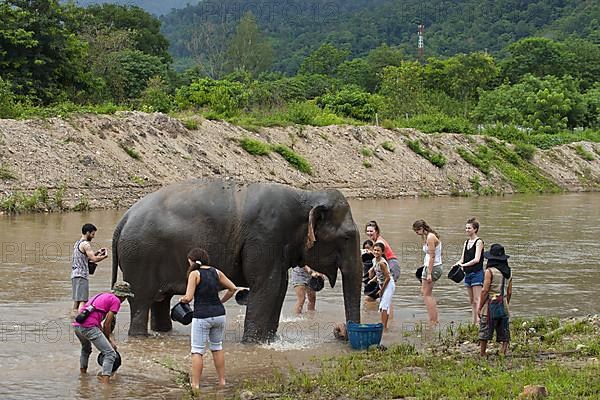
[510, 133]
[431, 123]
[367, 164]
[155, 98]
[303, 113]
[293, 158]
[6, 173]
[436, 159]
[482, 164]
[9, 107]
[18, 202]
[367, 152]
[255, 147]
[583, 153]
[130, 151]
[190, 123]
[223, 97]
[525, 151]
[351, 102]
[82, 205]
[326, 119]
[389, 146]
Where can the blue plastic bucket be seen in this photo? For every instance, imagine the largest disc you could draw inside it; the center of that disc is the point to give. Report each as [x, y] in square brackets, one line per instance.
[362, 336]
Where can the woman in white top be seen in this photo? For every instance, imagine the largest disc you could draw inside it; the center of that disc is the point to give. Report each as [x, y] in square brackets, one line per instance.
[432, 266]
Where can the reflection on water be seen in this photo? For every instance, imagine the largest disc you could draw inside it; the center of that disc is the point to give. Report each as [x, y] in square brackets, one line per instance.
[552, 240]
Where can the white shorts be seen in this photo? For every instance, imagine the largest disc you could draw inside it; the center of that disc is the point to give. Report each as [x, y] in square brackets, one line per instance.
[385, 303]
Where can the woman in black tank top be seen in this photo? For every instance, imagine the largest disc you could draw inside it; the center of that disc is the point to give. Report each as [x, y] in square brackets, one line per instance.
[208, 323]
[471, 262]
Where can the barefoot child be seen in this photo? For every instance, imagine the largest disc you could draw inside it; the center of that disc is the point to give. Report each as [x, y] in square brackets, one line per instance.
[381, 272]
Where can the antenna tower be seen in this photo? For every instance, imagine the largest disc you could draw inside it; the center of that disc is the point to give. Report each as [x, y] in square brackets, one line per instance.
[421, 53]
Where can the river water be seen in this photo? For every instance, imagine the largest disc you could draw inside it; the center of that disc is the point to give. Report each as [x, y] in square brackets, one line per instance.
[552, 240]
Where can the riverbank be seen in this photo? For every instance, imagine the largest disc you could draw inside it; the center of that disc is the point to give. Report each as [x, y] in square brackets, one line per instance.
[110, 161]
[560, 356]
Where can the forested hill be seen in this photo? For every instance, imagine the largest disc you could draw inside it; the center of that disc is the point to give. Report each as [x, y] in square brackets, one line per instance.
[296, 27]
[156, 7]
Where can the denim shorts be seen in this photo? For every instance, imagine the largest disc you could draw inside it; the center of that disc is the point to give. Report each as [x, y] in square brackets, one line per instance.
[474, 278]
[207, 329]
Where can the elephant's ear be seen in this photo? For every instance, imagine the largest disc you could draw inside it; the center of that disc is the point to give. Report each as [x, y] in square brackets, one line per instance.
[313, 216]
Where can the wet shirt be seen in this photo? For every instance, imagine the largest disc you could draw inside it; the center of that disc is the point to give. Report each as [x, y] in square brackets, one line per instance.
[79, 262]
[103, 303]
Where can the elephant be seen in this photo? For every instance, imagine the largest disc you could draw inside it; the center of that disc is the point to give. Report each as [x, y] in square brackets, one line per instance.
[253, 233]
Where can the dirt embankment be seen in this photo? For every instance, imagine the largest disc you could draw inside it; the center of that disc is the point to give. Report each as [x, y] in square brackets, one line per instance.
[91, 156]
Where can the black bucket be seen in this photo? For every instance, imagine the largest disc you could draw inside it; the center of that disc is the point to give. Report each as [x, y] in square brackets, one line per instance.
[241, 297]
[183, 313]
[456, 274]
[116, 364]
[419, 273]
[316, 283]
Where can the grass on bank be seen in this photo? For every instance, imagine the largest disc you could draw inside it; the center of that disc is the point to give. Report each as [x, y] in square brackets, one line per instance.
[257, 147]
[545, 351]
[38, 201]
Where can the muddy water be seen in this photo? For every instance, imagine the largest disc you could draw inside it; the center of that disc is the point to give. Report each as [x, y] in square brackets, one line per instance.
[552, 240]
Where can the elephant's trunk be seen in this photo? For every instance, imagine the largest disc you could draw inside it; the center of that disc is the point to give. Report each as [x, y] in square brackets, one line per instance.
[351, 283]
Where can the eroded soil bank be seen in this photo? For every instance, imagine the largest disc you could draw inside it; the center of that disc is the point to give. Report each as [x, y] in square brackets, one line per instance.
[112, 161]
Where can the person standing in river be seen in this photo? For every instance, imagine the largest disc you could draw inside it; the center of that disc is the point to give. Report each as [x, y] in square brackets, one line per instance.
[432, 266]
[380, 273]
[373, 232]
[497, 286]
[300, 278]
[471, 261]
[82, 255]
[208, 324]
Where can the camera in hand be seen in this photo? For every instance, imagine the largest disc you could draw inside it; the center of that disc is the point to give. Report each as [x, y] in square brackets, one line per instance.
[82, 316]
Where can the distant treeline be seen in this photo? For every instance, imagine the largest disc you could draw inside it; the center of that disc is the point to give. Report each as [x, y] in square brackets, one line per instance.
[295, 28]
[55, 59]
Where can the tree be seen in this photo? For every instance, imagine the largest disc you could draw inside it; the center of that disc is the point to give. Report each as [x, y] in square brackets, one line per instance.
[461, 76]
[534, 55]
[208, 47]
[324, 60]
[38, 54]
[143, 28]
[132, 72]
[404, 86]
[544, 104]
[248, 50]
[583, 62]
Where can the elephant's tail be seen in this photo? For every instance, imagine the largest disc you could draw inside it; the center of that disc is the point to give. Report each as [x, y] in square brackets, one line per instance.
[115, 252]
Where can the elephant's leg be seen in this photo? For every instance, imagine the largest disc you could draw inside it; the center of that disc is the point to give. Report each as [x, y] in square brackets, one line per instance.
[140, 309]
[264, 305]
[160, 318]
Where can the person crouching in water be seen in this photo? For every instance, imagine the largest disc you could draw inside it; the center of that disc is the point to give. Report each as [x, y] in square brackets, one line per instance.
[103, 307]
[381, 272]
[208, 323]
[497, 287]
